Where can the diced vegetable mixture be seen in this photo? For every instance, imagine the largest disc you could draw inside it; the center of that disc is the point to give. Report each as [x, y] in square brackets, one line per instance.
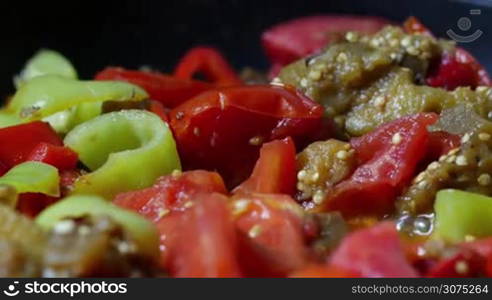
[365, 151]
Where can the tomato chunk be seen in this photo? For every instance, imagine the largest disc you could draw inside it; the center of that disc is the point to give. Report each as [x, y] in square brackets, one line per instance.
[373, 252]
[171, 193]
[206, 244]
[270, 233]
[275, 170]
[223, 129]
[20, 140]
[289, 41]
[388, 158]
[60, 157]
[210, 63]
[465, 263]
[166, 89]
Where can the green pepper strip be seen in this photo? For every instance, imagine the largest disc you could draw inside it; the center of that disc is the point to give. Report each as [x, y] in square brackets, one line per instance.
[142, 231]
[33, 177]
[46, 62]
[127, 150]
[45, 95]
[462, 215]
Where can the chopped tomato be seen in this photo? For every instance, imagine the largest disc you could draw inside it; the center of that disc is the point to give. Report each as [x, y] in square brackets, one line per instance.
[210, 63]
[60, 157]
[465, 263]
[270, 230]
[292, 40]
[373, 252]
[67, 179]
[223, 129]
[275, 170]
[206, 244]
[484, 248]
[322, 271]
[20, 140]
[166, 89]
[157, 108]
[388, 157]
[171, 193]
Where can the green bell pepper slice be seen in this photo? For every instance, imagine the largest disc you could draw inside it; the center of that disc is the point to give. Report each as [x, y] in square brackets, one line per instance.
[142, 231]
[461, 214]
[7, 119]
[33, 177]
[46, 62]
[45, 95]
[126, 150]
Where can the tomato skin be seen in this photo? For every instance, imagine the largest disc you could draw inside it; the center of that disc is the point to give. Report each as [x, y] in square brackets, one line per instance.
[60, 157]
[31, 204]
[292, 40]
[385, 166]
[206, 244]
[217, 130]
[373, 252]
[166, 89]
[211, 63]
[275, 170]
[18, 141]
[270, 231]
[171, 193]
[441, 142]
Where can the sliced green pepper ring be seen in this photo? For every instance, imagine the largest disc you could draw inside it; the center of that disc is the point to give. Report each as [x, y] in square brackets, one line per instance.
[126, 150]
[45, 95]
[462, 215]
[33, 177]
[142, 231]
[45, 62]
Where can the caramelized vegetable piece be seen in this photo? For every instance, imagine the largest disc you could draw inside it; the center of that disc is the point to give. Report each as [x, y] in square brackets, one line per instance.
[45, 95]
[126, 150]
[94, 246]
[321, 166]
[142, 231]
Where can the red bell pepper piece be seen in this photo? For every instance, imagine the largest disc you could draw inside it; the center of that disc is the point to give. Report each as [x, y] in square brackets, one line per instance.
[210, 63]
[275, 170]
[19, 141]
[60, 157]
[166, 89]
[388, 157]
[271, 241]
[373, 252]
[223, 129]
[171, 193]
[292, 40]
[206, 245]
